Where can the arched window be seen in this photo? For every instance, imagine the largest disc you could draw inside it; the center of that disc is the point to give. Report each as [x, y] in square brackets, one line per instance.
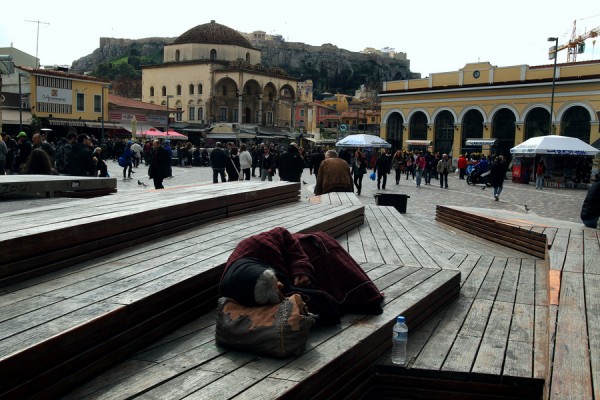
[151, 91]
[248, 57]
[164, 90]
[191, 88]
[199, 88]
[177, 55]
[200, 114]
[213, 54]
[178, 90]
[270, 96]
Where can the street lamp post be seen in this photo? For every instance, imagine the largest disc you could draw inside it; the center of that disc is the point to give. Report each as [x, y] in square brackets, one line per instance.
[20, 105]
[555, 40]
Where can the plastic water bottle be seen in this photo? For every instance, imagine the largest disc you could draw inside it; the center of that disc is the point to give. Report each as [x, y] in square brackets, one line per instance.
[399, 340]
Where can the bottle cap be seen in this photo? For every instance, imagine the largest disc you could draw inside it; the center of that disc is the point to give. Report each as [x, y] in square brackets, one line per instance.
[400, 319]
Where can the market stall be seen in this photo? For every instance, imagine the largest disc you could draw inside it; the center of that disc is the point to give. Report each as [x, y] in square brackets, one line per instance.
[568, 161]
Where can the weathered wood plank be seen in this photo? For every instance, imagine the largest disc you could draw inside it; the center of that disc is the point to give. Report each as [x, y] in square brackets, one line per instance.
[571, 375]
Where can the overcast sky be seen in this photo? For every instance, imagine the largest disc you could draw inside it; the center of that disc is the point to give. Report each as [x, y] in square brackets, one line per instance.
[437, 35]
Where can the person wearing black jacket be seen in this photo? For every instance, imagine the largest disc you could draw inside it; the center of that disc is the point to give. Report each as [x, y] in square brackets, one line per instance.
[267, 164]
[382, 167]
[315, 160]
[590, 210]
[81, 159]
[159, 164]
[291, 164]
[218, 161]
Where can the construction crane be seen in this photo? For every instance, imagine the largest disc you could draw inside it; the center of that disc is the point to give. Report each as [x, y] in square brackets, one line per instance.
[576, 44]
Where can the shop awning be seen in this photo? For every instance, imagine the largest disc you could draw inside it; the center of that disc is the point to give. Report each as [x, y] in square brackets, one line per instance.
[321, 141]
[418, 142]
[12, 117]
[230, 136]
[66, 122]
[107, 125]
[480, 142]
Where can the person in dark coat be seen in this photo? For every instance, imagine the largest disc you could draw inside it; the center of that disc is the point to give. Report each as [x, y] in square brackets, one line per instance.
[159, 164]
[218, 162]
[590, 210]
[265, 267]
[497, 176]
[81, 159]
[233, 165]
[267, 164]
[24, 148]
[291, 164]
[315, 160]
[382, 167]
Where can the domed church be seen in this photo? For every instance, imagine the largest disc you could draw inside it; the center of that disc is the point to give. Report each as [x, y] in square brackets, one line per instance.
[212, 75]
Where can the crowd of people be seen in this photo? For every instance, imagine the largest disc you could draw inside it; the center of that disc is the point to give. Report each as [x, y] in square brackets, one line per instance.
[82, 155]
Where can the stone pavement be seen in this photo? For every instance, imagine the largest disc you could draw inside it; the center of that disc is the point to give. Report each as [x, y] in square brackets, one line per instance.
[562, 204]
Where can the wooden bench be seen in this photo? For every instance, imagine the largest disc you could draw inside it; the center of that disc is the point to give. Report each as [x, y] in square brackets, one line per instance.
[63, 327]
[525, 240]
[189, 363]
[48, 238]
[55, 185]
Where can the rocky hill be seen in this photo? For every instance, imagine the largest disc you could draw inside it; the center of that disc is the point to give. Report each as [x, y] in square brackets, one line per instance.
[332, 69]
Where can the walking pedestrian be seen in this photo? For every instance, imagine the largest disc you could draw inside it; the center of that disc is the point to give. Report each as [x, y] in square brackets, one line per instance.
[218, 161]
[160, 161]
[539, 175]
[497, 176]
[382, 168]
[245, 161]
[397, 165]
[359, 169]
[443, 168]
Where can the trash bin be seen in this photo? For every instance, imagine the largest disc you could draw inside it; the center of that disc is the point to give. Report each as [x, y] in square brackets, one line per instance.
[398, 201]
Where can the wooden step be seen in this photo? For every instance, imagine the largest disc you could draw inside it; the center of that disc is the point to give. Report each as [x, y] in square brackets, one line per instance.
[66, 236]
[64, 326]
[189, 363]
[524, 240]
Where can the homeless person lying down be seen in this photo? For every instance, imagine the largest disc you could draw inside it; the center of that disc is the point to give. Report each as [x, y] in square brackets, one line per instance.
[270, 266]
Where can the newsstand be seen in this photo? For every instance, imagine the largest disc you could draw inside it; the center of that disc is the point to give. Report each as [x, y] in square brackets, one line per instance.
[398, 201]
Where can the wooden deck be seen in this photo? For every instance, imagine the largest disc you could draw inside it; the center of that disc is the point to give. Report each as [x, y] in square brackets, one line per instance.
[56, 185]
[521, 326]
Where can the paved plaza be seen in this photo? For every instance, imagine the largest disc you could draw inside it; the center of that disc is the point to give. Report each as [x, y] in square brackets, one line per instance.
[562, 204]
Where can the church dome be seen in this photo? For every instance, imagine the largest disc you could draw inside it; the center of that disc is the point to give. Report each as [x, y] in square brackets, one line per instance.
[213, 33]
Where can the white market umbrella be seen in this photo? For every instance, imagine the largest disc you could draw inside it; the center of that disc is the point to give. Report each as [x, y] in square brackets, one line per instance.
[554, 145]
[362, 140]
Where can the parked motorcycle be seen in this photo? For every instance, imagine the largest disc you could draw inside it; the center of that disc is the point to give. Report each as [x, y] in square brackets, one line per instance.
[476, 177]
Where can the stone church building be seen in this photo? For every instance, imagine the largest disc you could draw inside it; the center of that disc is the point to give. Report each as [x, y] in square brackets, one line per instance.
[211, 74]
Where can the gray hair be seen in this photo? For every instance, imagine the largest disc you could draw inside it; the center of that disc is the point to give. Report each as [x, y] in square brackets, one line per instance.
[265, 290]
[331, 154]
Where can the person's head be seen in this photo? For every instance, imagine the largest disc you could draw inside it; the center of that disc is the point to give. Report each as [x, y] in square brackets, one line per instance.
[331, 154]
[219, 145]
[36, 138]
[38, 162]
[243, 147]
[97, 151]
[156, 144]
[294, 145]
[445, 156]
[266, 149]
[21, 136]
[83, 138]
[71, 137]
[251, 283]
[383, 152]
[233, 151]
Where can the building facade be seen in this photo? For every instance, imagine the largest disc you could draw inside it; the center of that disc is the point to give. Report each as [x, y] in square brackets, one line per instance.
[59, 99]
[212, 75]
[507, 105]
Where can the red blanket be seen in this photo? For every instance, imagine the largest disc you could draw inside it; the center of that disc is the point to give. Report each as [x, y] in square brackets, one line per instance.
[319, 256]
